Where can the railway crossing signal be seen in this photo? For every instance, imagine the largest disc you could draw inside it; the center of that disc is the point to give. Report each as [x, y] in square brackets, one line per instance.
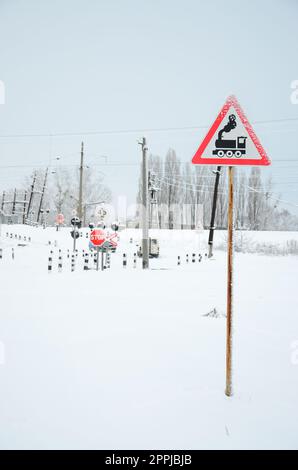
[98, 237]
[240, 147]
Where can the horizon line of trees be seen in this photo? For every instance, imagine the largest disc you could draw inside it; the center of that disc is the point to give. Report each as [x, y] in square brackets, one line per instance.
[61, 195]
[184, 190]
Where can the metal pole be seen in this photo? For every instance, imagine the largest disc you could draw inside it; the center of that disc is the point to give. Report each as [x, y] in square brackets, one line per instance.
[74, 237]
[42, 194]
[97, 258]
[145, 228]
[80, 208]
[212, 227]
[229, 390]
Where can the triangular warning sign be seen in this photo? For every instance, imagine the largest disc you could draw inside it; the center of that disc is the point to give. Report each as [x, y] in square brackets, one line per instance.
[231, 140]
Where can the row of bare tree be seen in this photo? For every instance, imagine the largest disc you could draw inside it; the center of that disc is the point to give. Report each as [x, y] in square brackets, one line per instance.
[61, 195]
[183, 188]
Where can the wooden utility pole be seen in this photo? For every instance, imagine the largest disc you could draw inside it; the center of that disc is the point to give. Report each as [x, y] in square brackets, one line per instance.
[24, 207]
[229, 389]
[145, 219]
[3, 201]
[14, 202]
[212, 222]
[42, 194]
[31, 195]
[80, 205]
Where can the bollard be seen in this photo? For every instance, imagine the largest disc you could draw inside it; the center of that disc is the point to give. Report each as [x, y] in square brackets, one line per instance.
[50, 263]
[187, 258]
[108, 260]
[12, 253]
[179, 261]
[20, 238]
[25, 239]
[200, 257]
[11, 235]
[1, 253]
[60, 263]
[86, 261]
[49, 242]
[73, 262]
[16, 235]
[193, 257]
[134, 260]
[76, 253]
[124, 260]
[29, 239]
[7, 234]
[87, 235]
[67, 254]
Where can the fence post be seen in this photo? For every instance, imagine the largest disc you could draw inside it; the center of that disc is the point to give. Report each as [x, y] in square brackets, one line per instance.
[50, 263]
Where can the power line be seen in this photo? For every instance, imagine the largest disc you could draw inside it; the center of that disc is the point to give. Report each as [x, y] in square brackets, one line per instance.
[135, 131]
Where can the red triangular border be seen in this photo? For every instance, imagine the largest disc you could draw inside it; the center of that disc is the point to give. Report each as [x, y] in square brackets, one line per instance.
[198, 160]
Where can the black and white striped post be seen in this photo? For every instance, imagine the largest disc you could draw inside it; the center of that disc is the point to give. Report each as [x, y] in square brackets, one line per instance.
[187, 258]
[124, 262]
[73, 262]
[86, 261]
[67, 254]
[60, 262]
[50, 263]
[179, 261]
[193, 257]
[134, 260]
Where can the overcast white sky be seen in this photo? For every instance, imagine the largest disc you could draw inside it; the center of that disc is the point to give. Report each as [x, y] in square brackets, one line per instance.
[87, 65]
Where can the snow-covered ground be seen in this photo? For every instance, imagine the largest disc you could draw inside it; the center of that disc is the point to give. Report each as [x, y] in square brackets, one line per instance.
[125, 358]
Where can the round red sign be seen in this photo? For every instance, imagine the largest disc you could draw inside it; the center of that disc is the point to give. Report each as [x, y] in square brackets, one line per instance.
[98, 237]
[60, 219]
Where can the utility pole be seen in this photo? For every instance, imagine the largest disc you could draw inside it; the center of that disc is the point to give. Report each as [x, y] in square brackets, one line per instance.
[145, 227]
[24, 207]
[31, 195]
[42, 195]
[3, 201]
[212, 222]
[80, 205]
[14, 202]
[153, 199]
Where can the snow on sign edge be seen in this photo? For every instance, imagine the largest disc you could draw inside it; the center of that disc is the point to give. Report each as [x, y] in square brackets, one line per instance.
[199, 160]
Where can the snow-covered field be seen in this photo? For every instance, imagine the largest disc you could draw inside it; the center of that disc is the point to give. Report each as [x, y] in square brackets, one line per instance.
[125, 358]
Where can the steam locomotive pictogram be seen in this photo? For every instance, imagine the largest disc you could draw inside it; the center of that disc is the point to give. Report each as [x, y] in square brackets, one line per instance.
[232, 147]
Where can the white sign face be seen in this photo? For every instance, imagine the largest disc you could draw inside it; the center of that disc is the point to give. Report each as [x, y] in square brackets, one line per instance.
[231, 140]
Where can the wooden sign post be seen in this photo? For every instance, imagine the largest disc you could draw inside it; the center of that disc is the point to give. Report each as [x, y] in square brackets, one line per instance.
[230, 142]
[230, 249]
